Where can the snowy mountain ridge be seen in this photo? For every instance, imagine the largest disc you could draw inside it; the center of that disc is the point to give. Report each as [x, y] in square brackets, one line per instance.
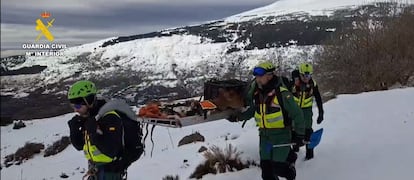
[300, 8]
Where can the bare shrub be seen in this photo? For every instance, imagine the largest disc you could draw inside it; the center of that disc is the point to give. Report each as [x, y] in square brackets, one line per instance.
[219, 161]
[57, 146]
[377, 54]
[24, 153]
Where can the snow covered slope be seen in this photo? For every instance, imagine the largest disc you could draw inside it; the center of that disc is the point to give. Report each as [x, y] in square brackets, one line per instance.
[367, 136]
[303, 7]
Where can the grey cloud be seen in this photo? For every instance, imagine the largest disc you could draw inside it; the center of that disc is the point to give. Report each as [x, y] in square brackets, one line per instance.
[99, 19]
[16, 35]
[103, 4]
[140, 15]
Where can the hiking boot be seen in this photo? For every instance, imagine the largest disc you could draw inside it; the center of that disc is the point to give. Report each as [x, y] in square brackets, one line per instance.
[309, 154]
[292, 171]
[292, 157]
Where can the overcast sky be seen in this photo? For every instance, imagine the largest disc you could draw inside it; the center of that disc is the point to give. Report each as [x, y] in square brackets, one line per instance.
[83, 21]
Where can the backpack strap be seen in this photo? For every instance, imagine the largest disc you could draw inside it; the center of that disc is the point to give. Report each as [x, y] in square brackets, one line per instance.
[279, 88]
[250, 90]
[313, 82]
[112, 112]
[122, 124]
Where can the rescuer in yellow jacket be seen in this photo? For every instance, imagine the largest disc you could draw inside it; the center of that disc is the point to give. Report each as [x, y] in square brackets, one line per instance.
[100, 140]
[305, 91]
[276, 115]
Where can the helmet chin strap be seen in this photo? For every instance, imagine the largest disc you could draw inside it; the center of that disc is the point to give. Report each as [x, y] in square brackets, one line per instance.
[87, 103]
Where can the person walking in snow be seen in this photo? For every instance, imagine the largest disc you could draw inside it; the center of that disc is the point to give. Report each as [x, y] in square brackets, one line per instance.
[99, 133]
[304, 91]
[276, 115]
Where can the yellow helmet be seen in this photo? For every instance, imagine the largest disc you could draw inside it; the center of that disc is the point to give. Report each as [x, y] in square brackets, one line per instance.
[266, 65]
[305, 68]
[263, 68]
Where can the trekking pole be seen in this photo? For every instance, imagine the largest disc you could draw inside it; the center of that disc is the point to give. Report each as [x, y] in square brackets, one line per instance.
[169, 134]
[283, 145]
[290, 144]
[315, 138]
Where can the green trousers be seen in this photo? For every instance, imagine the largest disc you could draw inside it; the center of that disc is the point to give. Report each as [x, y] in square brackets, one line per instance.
[270, 137]
[307, 114]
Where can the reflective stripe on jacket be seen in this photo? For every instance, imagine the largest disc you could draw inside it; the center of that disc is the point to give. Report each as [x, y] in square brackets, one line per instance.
[303, 95]
[92, 152]
[269, 115]
[304, 102]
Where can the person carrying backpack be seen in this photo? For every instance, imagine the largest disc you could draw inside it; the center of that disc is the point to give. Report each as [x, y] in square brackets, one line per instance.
[304, 90]
[276, 115]
[106, 132]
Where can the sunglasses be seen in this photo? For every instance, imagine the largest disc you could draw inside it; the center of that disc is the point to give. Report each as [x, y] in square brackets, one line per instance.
[307, 75]
[259, 71]
[77, 103]
[76, 106]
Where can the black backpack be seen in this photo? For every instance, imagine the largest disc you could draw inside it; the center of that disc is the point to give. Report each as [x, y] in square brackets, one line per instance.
[132, 131]
[133, 146]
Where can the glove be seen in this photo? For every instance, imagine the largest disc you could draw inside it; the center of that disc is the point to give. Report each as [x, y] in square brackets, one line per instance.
[320, 118]
[76, 123]
[298, 139]
[233, 118]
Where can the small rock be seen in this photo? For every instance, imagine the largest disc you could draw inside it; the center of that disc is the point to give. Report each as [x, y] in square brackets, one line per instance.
[8, 164]
[191, 138]
[234, 136]
[64, 176]
[185, 160]
[19, 124]
[202, 149]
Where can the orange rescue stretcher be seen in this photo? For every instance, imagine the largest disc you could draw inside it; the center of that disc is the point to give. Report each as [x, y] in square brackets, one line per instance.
[188, 113]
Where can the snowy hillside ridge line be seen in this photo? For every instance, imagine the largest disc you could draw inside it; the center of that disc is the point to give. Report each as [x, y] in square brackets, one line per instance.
[305, 7]
[154, 55]
[361, 134]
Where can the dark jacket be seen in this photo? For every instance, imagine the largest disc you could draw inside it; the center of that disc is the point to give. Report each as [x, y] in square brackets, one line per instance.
[105, 133]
